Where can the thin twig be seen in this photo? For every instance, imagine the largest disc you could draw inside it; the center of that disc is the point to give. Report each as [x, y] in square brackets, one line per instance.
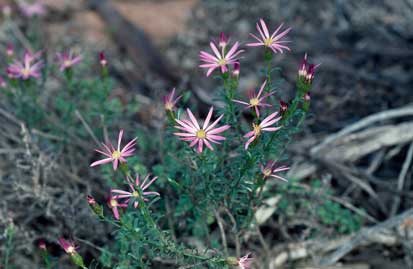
[222, 230]
[401, 179]
[388, 114]
[87, 127]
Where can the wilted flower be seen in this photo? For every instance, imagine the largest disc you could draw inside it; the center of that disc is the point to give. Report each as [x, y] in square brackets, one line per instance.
[68, 246]
[134, 193]
[274, 41]
[67, 60]
[220, 59]
[169, 101]
[307, 73]
[26, 69]
[32, 8]
[113, 204]
[197, 135]
[116, 155]
[256, 100]
[270, 170]
[245, 262]
[263, 126]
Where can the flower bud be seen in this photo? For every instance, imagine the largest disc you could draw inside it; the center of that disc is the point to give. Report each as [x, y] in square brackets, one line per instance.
[102, 58]
[283, 107]
[235, 71]
[96, 208]
[41, 245]
[223, 40]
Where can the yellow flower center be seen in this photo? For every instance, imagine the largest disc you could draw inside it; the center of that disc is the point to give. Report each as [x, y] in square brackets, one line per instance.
[135, 194]
[26, 71]
[266, 172]
[169, 106]
[257, 129]
[222, 62]
[268, 42]
[254, 101]
[67, 63]
[113, 203]
[116, 154]
[201, 134]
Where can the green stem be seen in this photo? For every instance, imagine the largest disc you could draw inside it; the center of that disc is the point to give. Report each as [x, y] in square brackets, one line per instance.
[9, 234]
[268, 58]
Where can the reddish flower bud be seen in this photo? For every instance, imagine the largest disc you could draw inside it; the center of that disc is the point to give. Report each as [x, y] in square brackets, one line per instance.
[102, 58]
[283, 107]
[223, 40]
[41, 245]
[10, 50]
[307, 97]
[307, 73]
[91, 201]
[235, 71]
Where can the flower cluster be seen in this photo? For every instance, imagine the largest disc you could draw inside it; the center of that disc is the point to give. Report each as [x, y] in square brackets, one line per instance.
[307, 73]
[31, 65]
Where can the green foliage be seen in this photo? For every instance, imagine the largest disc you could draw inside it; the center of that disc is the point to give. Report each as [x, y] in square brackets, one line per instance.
[317, 203]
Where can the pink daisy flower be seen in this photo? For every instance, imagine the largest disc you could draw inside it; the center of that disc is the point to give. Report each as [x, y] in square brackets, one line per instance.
[116, 155]
[307, 73]
[197, 135]
[274, 41]
[68, 246]
[263, 126]
[32, 8]
[26, 69]
[220, 59]
[134, 193]
[113, 204]
[170, 101]
[67, 60]
[270, 170]
[256, 100]
[245, 262]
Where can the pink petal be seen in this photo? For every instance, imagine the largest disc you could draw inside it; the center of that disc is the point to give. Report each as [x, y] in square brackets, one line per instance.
[108, 160]
[208, 118]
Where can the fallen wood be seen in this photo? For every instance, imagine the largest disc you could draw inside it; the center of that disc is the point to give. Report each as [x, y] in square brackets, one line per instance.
[387, 233]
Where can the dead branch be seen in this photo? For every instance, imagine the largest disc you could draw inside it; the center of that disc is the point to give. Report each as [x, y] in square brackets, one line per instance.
[382, 233]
